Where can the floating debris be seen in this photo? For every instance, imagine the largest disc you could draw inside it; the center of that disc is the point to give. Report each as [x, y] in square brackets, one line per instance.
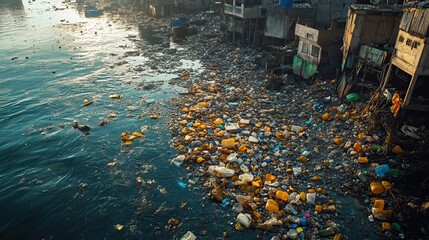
[115, 96]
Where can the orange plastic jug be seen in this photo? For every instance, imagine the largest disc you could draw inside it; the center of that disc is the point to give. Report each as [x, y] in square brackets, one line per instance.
[229, 143]
[376, 188]
[272, 206]
[379, 203]
[282, 195]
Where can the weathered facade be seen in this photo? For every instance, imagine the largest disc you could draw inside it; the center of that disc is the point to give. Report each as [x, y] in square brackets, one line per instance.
[369, 36]
[244, 20]
[280, 22]
[317, 48]
[408, 71]
[330, 9]
[370, 25]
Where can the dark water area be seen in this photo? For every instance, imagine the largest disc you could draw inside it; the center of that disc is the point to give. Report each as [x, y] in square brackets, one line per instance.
[54, 180]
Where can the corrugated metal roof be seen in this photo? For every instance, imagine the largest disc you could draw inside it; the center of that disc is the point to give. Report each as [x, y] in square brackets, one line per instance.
[375, 8]
[416, 20]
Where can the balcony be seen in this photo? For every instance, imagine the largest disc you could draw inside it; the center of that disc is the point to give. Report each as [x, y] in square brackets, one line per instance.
[243, 10]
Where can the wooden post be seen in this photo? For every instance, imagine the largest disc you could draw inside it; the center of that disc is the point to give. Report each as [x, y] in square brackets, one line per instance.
[386, 78]
[233, 31]
[410, 90]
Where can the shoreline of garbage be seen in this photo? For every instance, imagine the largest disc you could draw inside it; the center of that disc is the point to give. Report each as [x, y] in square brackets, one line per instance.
[277, 158]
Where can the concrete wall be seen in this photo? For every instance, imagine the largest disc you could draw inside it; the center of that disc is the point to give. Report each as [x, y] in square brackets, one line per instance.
[322, 37]
[278, 26]
[280, 22]
[331, 9]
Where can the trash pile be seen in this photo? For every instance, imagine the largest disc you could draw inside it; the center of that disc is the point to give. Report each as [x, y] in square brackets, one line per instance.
[271, 157]
[277, 159]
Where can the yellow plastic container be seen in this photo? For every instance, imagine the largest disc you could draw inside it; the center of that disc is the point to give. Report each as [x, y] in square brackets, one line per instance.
[202, 104]
[386, 185]
[218, 121]
[397, 150]
[382, 214]
[318, 208]
[338, 140]
[362, 160]
[257, 214]
[272, 206]
[326, 116]
[357, 147]
[282, 195]
[379, 203]
[376, 188]
[270, 177]
[302, 159]
[361, 136]
[229, 143]
[303, 196]
[386, 226]
[338, 236]
[242, 148]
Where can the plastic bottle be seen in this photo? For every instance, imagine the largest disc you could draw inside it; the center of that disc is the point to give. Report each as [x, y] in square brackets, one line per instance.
[381, 214]
[362, 160]
[188, 236]
[247, 177]
[289, 208]
[376, 188]
[311, 198]
[296, 128]
[303, 221]
[292, 234]
[386, 185]
[357, 147]
[379, 203]
[272, 206]
[232, 157]
[282, 195]
[382, 170]
[181, 184]
[244, 168]
[243, 200]
[221, 171]
[237, 208]
[229, 143]
[244, 219]
[297, 171]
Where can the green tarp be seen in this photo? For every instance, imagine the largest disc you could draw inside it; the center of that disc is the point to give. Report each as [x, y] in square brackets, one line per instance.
[303, 68]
